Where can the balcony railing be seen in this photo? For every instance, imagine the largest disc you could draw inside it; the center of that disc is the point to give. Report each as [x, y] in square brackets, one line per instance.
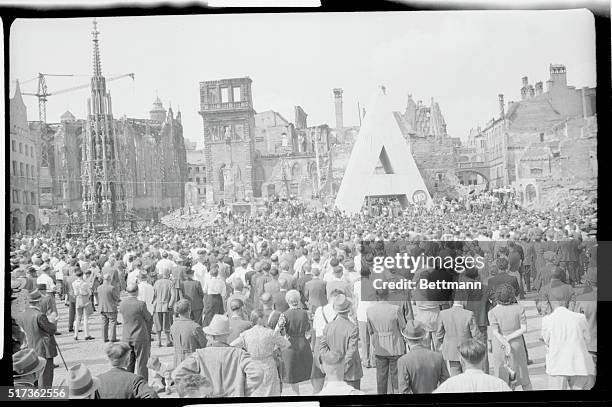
[225, 106]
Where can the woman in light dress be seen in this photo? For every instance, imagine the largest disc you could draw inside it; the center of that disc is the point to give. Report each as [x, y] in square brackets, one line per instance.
[261, 342]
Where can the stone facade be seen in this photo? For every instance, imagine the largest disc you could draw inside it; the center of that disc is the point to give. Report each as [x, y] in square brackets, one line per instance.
[226, 107]
[547, 139]
[24, 174]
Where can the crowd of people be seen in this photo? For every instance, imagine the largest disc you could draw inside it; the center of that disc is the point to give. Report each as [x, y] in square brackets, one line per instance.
[254, 303]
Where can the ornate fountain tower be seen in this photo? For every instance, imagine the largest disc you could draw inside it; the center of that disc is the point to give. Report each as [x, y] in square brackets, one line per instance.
[103, 191]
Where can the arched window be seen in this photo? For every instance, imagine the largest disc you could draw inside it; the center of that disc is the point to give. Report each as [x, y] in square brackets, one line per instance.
[284, 140]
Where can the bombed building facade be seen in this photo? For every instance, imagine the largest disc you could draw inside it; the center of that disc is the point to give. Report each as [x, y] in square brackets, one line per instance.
[252, 155]
[543, 144]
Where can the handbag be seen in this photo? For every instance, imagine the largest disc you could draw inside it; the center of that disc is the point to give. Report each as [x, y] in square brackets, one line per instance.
[507, 373]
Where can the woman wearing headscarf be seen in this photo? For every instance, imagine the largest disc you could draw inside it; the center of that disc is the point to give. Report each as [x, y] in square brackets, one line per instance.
[508, 324]
[298, 357]
[261, 343]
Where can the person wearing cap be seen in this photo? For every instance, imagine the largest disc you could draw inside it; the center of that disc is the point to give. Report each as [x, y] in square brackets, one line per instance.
[229, 369]
[118, 382]
[40, 333]
[421, 370]
[586, 304]
[473, 379]
[81, 384]
[569, 365]
[186, 334]
[342, 336]
[108, 299]
[137, 324]
[333, 365]
[27, 367]
[385, 322]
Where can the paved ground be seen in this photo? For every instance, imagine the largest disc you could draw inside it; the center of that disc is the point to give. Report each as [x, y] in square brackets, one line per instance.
[91, 352]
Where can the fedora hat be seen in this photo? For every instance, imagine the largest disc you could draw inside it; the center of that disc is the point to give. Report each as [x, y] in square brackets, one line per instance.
[342, 304]
[80, 382]
[414, 330]
[26, 361]
[218, 326]
[34, 296]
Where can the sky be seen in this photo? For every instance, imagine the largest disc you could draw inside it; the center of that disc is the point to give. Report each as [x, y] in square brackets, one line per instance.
[463, 59]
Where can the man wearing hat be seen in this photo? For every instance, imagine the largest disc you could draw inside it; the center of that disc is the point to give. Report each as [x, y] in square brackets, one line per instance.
[342, 336]
[137, 321]
[40, 332]
[228, 368]
[586, 304]
[81, 384]
[420, 370]
[27, 366]
[47, 303]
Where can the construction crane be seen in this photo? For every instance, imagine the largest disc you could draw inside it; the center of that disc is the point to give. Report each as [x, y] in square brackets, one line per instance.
[42, 94]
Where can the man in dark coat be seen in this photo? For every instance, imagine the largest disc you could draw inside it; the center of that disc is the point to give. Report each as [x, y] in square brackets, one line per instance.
[40, 333]
[278, 298]
[315, 291]
[305, 276]
[137, 323]
[119, 383]
[502, 277]
[421, 370]
[556, 290]
[108, 298]
[342, 336]
[192, 290]
[186, 334]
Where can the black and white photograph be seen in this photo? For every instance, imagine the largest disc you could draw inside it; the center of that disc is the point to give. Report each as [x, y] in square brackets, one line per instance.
[302, 204]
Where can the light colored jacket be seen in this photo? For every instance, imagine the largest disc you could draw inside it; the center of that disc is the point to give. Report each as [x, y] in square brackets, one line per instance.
[566, 335]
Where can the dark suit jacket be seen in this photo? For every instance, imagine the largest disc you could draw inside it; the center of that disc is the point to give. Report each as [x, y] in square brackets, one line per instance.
[342, 336]
[278, 299]
[421, 370]
[187, 336]
[556, 290]
[39, 332]
[120, 384]
[315, 294]
[192, 290]
[47, 303]
[108, 297]
[137, 321]
[499, 279]
[300, 286]
[455, 325]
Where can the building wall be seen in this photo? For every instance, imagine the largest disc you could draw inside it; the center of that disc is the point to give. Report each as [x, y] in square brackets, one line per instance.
[196, 171]
[229, 133]
[24, 173]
